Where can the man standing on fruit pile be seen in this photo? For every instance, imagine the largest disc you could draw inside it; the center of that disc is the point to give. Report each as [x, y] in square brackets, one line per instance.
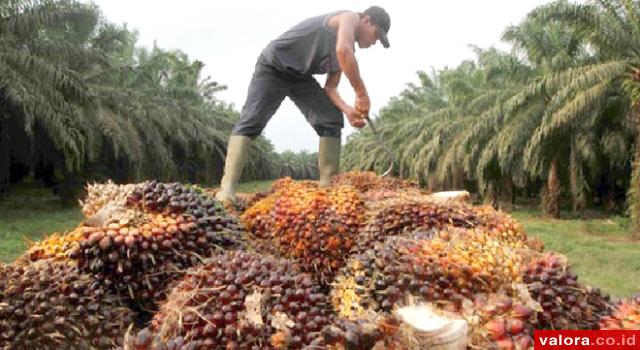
[318, 45]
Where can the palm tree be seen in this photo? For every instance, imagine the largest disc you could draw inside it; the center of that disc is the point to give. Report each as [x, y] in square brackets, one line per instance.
[42, 96]
[307, 165]
[80, 101]
[598, 90]
[550, 47]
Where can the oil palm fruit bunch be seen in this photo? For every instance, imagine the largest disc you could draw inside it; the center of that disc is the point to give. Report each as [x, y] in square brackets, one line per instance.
[238, 300]
[625, 316]
[409, 216]
[50, 304]
[416, 213]
[100, 194]
[139, 260]
[171, 227]
[55, 246]
[314, 226]
[500, 225]
[258, 217]
[366, 180]
[483, 254]
[566, 304]
[174, 199]
[501, 322]
[443, 271]
[59, 245]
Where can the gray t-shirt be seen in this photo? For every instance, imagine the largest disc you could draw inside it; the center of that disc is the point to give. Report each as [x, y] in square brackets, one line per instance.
[307, 48]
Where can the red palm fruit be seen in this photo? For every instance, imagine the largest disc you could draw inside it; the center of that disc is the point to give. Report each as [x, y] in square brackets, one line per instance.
[515, 326]
[496, 329]
[522, 312]
[105, 243]
[523, 342]
[130, 241]
[504, 304]
[505, 344]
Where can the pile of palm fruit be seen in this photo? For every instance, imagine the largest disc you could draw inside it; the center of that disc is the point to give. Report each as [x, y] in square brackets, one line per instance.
[145, 236]
[51, 304]
[239, 300]
[295, 267]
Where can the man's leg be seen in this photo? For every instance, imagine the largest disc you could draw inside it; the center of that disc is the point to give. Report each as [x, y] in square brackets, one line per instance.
[237, 153]
[326, 119]
[265, 94]
[328, 159]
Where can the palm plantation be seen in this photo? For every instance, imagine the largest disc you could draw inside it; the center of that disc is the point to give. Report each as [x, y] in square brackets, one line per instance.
[81, 102]
[552, 120]
[553, 117]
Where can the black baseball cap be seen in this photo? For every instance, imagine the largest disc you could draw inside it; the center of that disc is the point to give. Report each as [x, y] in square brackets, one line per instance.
[380, 18]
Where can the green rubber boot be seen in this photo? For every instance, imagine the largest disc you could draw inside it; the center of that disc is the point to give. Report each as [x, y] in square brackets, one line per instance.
[237, 152]
[328, 159]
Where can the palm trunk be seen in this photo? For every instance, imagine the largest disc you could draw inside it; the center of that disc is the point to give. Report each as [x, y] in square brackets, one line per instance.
[458, 178]
[551, 195]
[633, 196]
[634, 193]
[576, 178]
[507, 198]
[490, 196]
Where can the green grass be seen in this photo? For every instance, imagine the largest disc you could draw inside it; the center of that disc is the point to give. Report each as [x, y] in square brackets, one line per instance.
[30, 213]
[600, 250]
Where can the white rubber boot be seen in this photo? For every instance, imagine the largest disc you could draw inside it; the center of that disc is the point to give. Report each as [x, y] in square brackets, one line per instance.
[328, 159]
[237, 153]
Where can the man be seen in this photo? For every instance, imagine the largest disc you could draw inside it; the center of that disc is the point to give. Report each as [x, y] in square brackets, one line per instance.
[319, 45]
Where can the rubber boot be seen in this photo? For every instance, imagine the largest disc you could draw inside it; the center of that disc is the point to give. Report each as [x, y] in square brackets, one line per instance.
[237, 152]
[328, 159]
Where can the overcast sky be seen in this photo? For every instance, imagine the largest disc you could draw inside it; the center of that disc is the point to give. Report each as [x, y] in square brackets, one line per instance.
[228, 36]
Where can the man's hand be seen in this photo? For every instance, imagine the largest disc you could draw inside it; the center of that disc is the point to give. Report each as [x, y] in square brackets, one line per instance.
[355, 119]
[363, 104]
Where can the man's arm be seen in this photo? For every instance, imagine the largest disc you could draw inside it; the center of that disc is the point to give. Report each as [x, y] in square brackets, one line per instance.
[347, 26]
[331, 89]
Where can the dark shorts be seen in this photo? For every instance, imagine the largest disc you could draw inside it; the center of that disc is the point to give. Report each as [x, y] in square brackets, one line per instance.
[269, 87]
